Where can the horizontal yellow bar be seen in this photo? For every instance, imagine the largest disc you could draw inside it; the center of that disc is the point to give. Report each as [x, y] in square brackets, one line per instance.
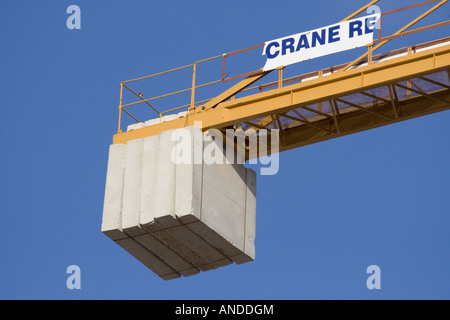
[158, 74]
[172, 70]
[171, 94]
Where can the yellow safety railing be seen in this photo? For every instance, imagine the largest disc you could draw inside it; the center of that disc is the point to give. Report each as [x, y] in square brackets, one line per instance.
[147, 101]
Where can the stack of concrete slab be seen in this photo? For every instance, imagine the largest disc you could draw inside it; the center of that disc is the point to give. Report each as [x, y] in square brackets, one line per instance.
[175, 212]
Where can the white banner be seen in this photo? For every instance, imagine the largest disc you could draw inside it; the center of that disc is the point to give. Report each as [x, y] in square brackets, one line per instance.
[320, 42]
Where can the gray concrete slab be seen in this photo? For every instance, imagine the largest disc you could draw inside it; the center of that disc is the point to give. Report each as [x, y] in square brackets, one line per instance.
[188, 187]
[148, 259]
[170, 257]
[193, 248]
[248, 253]
[132, 189]
[223, 201]
[214, 239]
[148, 181]
[250, 215]
[164, 212]
[112, 205]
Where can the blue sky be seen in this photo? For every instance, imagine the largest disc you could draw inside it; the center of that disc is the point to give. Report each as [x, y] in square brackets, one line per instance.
[379, 197]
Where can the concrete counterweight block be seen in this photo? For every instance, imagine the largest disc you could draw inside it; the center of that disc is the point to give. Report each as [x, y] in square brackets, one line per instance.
[113, 210]
[164, 212]
[189, 173]
[148, 183]
[112, 205]
[132, 189]
[149, 259]
[226, 217]
[175, 212]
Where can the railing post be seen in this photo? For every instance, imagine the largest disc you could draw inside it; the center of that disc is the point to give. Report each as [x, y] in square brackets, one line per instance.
[224, 57]
[408, 82]
[370, 53]
[280, 76]
[193, 85]
[409, 85]
[120, 108]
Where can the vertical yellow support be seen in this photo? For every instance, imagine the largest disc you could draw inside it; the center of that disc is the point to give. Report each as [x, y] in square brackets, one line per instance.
[280, 76]
[194, 69]
[120, 108]
[408, 92]
[370, 55]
